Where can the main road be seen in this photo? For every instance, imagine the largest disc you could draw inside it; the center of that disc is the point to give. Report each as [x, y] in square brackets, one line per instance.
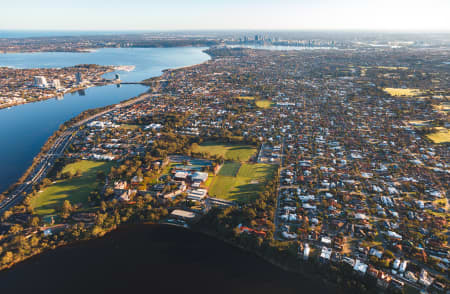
[47, 160]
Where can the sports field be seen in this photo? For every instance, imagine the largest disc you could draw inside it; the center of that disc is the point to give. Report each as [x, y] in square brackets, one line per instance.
[76, 190]
[259, 103]
[246, 183]
[441, 136]
[264, 103]
[400, 92]
[237, 152]
[230, 169]
[246, 98]
[130, 127]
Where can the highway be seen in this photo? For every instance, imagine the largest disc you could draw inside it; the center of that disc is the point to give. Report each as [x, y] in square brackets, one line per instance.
[57, 150]
[40, 171]
[277, 209]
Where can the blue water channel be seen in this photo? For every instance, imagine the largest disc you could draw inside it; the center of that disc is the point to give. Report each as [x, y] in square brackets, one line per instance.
[25, 128]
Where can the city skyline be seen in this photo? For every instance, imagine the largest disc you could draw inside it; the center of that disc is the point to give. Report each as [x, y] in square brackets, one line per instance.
[384, 15]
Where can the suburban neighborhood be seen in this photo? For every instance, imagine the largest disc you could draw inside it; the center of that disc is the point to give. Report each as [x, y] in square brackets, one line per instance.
[336, 156]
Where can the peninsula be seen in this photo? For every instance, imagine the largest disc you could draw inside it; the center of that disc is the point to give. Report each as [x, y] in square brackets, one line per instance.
[19, 86]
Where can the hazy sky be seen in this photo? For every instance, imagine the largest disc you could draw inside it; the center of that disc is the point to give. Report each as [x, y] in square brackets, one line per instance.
[224, 14]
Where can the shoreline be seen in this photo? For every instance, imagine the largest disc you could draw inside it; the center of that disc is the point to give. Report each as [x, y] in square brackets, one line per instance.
[114, 68]
[72, 90]
[273, 262]
[92, 50]
[64, 126]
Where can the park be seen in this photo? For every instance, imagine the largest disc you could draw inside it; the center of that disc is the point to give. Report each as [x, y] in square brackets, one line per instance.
[82, 179]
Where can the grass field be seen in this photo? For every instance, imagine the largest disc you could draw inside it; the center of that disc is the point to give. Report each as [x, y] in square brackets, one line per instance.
[210, 179]
[264, 103]
[76, 190]
[230, 169]
[248, 182]
[259, 103]
[130, 127]
[246, 98]
[235, 152]
[441, 136]
[400, 92]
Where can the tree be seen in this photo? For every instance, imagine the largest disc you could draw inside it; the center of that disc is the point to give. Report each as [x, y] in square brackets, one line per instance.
[109, 191]
[35, 222]
[8, 257]
[66, 208]
[46, 182]
[103, 206]
[15, 229]
[67, 175]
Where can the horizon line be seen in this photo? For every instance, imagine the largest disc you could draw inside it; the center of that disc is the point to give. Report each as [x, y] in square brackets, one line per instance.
[366, 30]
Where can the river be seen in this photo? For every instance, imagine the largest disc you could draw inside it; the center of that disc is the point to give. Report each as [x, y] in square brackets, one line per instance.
[25, 128]
[152, 259]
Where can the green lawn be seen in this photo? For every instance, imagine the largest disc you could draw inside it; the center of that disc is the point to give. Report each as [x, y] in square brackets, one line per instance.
[442, 135]
[230, 169]
[259, 103]
[246, 98]
[76, 190]
[130, 127]
[234, 152]
[249, 181]
[256, 171]
[264, 103]
[400, 92]
[210, 179]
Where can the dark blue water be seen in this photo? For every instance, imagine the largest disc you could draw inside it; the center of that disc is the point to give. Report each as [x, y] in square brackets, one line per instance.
[153, 259]
[25, 128]
[149, 62]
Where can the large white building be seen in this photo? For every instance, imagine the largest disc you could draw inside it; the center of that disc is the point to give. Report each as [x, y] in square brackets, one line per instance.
[40, 81]
[197, 195]
[56, 84]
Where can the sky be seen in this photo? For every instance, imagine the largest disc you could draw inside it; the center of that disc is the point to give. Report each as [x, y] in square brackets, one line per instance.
[398, 15]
